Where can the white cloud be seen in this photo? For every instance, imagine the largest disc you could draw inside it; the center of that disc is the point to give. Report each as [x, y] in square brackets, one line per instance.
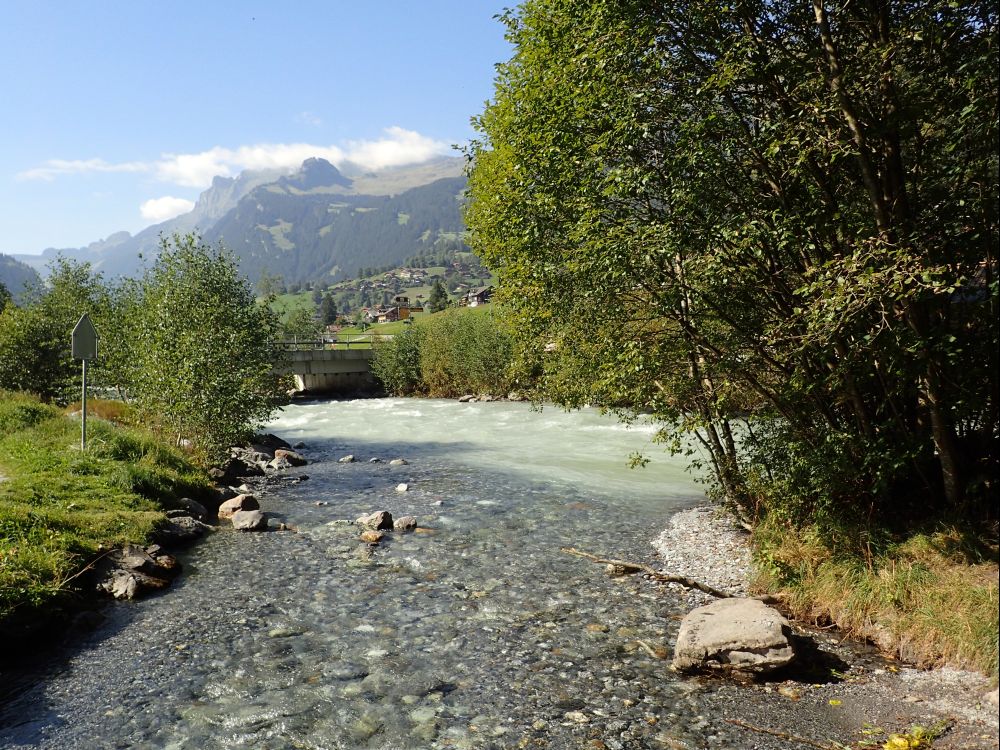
[56, 167]
[397, 148]
[167, 207]
[309, 118]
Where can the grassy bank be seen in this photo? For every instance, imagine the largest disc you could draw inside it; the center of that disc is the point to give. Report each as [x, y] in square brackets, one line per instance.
[60, 508]
[933, 597]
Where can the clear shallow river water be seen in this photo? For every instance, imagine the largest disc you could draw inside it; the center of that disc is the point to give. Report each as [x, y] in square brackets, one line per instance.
[474, 632]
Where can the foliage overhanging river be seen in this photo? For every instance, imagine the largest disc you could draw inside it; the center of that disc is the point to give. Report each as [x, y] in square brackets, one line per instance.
[477, 633]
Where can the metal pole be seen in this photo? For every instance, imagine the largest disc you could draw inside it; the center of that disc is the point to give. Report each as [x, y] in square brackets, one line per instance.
[83, 407]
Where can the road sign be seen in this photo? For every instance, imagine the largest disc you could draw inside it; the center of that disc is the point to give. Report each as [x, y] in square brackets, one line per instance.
[84, 339]
[84, 347]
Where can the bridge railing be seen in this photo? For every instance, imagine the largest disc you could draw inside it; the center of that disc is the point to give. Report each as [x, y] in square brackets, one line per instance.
[331, 341]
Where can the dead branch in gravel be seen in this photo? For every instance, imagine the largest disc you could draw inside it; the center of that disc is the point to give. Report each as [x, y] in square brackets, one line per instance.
[784, 735]
[629, 567]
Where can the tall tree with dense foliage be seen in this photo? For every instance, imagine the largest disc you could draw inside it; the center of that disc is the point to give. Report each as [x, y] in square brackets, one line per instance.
[437, 300]
[201, 347]
[773, 213]
[35, 351]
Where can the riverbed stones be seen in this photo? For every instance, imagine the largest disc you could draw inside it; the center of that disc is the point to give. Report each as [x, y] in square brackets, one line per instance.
[733, 634]
[180, 530]
[249, 520]
[402, 487]
[348, 459]
[294, 458]
[188, 507]
[371, 536]
[405, 523]
[379, 520]
[239, 503]
[132, 571]
[398, 462]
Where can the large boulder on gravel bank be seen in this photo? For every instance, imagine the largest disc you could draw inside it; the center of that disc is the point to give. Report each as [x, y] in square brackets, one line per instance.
[733, 634]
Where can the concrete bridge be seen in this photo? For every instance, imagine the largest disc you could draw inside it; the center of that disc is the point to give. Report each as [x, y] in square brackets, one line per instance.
[317, 369]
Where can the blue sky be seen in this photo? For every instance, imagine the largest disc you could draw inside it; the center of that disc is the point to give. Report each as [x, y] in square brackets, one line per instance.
[117, 114]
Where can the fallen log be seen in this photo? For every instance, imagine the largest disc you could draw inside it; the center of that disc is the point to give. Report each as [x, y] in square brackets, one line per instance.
[629, 567]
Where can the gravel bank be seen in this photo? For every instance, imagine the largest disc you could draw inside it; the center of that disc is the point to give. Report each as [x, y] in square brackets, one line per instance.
[871, 691]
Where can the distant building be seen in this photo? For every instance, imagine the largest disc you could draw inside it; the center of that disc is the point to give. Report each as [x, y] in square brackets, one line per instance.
[406, 308]
[476, 297]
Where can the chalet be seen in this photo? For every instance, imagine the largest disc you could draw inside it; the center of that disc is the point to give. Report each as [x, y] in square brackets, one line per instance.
[476, 297]
[387, 315]
[406, 308]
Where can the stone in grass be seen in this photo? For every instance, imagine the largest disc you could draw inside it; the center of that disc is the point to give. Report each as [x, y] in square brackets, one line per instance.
[733, 634]
[236, 504]
[379, 520]
[249, 520]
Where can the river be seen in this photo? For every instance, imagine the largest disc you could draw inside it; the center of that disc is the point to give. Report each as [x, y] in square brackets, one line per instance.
[474, 632]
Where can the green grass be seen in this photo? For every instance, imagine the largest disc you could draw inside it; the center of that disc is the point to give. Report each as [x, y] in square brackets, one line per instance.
[933, 595]
[60, 508]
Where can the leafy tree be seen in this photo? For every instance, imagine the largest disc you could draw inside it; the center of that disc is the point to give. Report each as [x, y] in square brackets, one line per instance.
[438, 298]
[35, 352]
[301, 323]
[5, 296]
[270, 284]
[201, 347]
[769, 213]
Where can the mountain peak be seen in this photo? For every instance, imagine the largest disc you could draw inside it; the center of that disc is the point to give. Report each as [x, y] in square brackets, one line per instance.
[316, 173]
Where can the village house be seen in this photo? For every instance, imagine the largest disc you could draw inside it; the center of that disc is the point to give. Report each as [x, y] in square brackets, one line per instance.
[476, 297]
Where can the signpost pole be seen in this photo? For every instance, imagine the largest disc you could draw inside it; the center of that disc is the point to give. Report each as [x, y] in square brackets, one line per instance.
[83, 409]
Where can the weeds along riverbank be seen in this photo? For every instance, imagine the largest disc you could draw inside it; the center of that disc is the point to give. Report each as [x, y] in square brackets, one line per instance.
[61, 508]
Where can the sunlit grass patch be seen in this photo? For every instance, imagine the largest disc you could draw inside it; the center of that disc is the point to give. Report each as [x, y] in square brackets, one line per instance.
[60, 507]
[934, 596]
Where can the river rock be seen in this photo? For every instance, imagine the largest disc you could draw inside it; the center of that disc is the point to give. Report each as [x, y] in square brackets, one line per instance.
[402, 487]
[398, 462]
[249, 520]
[238, 503]
[466, 398]
[348, 459]
[132, 571]
[235, 468]
[180, 530]
[371, 536]
[405, 523]
[295, 459]
[279, 463]
[733, 634]
[193, 508]
[379, 520]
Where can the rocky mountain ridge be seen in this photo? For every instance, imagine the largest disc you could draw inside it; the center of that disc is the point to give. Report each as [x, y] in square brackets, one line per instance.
[318, 223]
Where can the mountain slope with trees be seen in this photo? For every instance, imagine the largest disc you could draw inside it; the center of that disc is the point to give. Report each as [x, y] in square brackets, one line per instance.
[315, 212]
